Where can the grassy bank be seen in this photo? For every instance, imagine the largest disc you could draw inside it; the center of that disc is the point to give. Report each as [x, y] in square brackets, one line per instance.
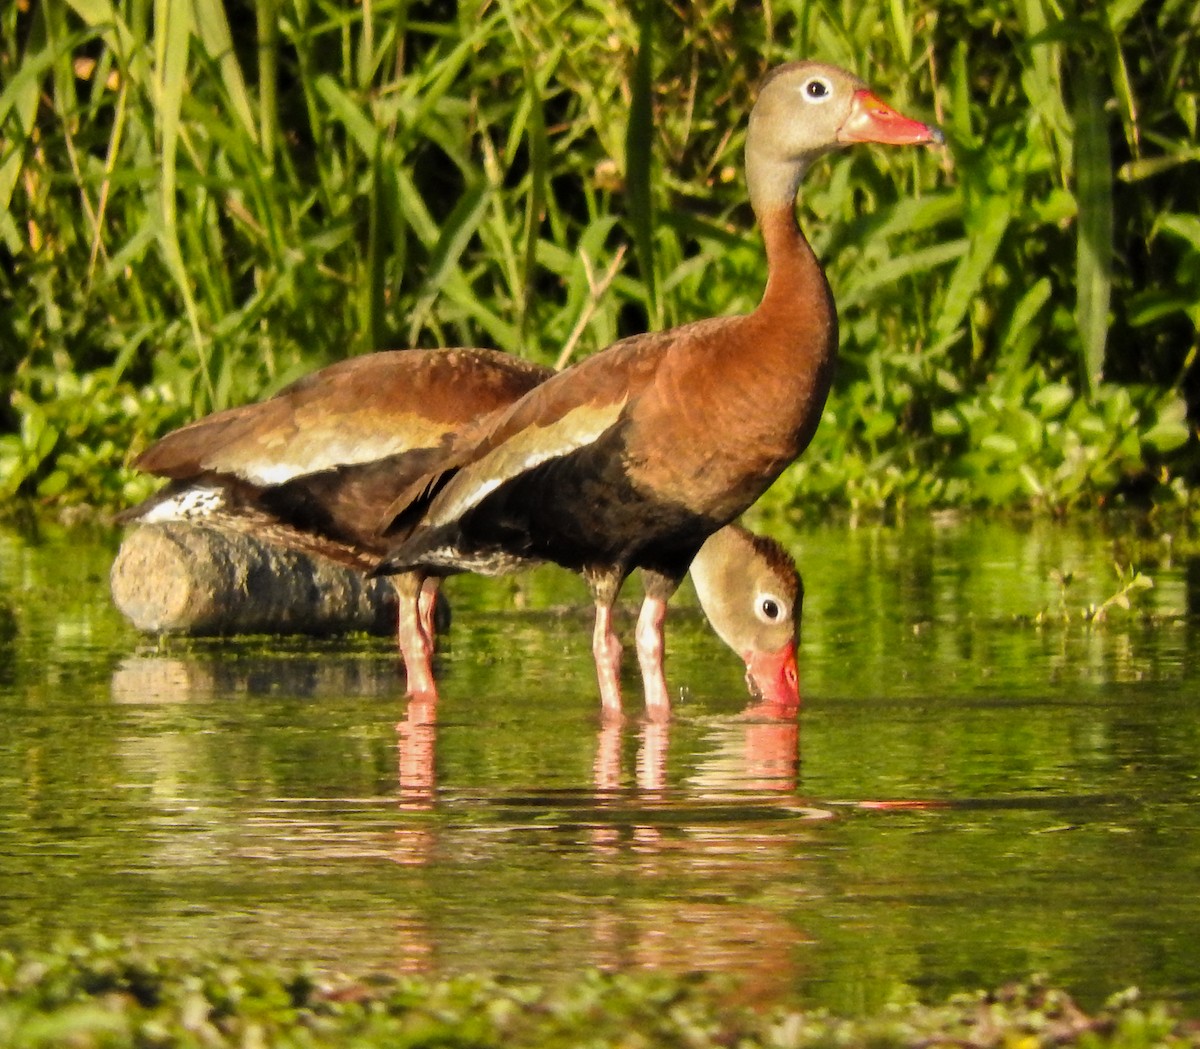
[202, 200]
[104, 995]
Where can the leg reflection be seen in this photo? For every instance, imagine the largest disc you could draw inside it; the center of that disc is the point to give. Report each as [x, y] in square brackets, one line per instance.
[416, 741]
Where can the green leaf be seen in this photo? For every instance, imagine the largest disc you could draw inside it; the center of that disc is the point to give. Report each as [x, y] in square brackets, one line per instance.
[905, 265]
[53, 484]
[986, 226]
[1149, 167]
[1000, 444]
[1170, 429]
[459, 227]
[1184, 226]
[359, 124]
[1052, 400]
[947, 423]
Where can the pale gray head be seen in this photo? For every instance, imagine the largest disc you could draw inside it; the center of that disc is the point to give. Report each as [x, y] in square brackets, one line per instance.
[806, 109]
[752, 593]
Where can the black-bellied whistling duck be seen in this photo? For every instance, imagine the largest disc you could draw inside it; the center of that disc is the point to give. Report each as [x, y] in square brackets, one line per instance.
[315, 467]
[634, 456]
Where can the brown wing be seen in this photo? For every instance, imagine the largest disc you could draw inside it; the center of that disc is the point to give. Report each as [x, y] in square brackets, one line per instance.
[357, 411]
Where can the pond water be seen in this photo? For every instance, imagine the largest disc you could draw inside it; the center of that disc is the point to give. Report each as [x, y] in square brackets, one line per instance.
[968, 796]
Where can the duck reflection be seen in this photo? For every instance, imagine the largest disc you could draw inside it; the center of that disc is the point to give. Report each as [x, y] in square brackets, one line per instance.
[674, 857]
[682, 845]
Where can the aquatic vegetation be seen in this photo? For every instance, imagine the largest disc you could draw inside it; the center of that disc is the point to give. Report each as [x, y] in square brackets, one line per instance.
[106, 994]
[1131, 583]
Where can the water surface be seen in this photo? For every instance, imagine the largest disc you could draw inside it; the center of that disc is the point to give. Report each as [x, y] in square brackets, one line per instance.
[969, 795]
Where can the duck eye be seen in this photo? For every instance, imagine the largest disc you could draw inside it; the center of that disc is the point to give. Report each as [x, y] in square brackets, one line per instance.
[769, 608]
[817, 89]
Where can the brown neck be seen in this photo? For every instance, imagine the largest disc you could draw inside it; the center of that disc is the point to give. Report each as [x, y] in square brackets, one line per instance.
[795, 280]
[796, 322]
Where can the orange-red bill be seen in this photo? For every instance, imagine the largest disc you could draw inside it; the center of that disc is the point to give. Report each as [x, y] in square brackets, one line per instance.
[774, 678]
[873, 120]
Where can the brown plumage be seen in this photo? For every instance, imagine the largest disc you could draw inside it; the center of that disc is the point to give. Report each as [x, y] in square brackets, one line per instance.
[633, 457]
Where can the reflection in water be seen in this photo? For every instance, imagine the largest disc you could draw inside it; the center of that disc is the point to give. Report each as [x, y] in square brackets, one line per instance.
[416, 740]
[647, 867]
[1192, 578]
[998, 790]
[189, 678]
[763, 757]
[641, 828]
[750, 754]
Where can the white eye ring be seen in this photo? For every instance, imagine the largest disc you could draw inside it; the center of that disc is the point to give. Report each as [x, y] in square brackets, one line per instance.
[817, 89]
[769, 608]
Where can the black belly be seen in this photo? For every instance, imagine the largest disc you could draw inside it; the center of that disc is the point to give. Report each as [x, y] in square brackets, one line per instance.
[578, 511]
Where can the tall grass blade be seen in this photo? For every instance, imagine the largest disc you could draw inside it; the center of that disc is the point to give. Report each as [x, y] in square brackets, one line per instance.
[268, 77]
[20, 99]
[213, 29]
[902, 28]
[342, 107]
[366, 46]
[1042, 78]
[891, 271]
[1117, 17]
[1094, 247]
[131, 50]
[459, 228]
[173, 19]
[639, 135]
[535, 204]
[373, 323]
[535, 74]
[432, 93]
[1018, 332]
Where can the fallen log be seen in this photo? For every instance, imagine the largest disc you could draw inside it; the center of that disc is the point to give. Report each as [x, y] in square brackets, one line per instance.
[178, 577]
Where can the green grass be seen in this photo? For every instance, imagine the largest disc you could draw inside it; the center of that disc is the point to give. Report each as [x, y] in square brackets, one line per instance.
[202, 200]
[111, 996]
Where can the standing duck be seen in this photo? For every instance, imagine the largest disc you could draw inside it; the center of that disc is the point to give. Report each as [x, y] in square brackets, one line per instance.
[315, 467]
[633, 457]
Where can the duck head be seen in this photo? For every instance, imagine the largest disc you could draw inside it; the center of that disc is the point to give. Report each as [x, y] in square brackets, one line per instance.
[752, 593]
[806, 109]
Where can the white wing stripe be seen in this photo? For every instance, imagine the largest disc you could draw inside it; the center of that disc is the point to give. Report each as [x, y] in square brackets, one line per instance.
[519, 454]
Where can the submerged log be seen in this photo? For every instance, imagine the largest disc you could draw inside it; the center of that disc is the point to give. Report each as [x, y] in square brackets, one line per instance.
[178, 577]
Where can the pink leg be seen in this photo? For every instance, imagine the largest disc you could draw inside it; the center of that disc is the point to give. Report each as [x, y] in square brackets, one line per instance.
[649, 636]
[415, 645]
[426, 606]
[606, 649]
